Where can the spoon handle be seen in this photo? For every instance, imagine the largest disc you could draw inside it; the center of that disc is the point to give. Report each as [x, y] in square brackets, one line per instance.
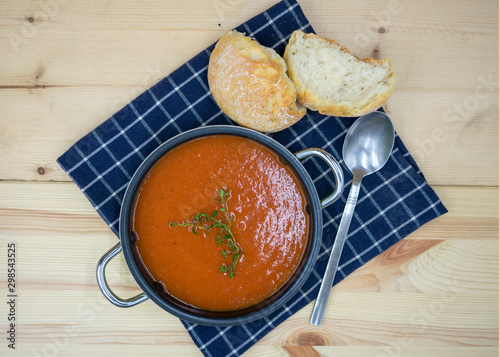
[333, 262]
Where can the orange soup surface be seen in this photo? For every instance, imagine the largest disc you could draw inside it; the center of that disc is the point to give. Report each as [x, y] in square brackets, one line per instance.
[268, 220]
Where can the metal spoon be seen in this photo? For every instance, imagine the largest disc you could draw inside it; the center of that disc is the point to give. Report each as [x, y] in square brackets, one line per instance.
[367, 147]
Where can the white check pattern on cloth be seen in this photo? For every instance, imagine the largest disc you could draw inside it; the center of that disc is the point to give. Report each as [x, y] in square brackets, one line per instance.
[393, 202]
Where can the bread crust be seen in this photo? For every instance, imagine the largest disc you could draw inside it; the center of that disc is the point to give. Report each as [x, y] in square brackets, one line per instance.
[250, 84]
[313, 101]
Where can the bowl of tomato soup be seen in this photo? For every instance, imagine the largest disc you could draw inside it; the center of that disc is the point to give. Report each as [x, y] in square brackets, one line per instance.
[221, 225]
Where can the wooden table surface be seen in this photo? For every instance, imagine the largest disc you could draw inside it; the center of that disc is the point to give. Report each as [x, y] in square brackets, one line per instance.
[67, 65]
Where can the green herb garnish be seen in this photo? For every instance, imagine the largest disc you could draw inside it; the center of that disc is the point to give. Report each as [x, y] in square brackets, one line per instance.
[224, 234]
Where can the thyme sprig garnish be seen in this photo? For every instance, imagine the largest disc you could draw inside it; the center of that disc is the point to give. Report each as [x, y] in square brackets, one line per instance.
[221, 220]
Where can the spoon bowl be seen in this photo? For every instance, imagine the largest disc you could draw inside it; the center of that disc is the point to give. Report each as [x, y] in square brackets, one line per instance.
[367, 147]
[368, 143]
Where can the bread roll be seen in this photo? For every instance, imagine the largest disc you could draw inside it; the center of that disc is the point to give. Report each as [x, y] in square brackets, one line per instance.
[329, 79]
[249, 83]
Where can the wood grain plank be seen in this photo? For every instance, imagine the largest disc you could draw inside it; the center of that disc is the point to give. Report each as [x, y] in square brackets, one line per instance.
[47, 122]
[59, 345]
[422, 319]
[66, 347]
[155, 14]
[420, 266]
[430, 266]
[104, 34]
[444, 135]
[90, 57]
[425, 292]
[389, 351]
[60, 208]
[473, 213]
[37, 125]
[81, 45]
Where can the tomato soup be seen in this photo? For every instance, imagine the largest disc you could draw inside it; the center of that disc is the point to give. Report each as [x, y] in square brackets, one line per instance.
[263, 208]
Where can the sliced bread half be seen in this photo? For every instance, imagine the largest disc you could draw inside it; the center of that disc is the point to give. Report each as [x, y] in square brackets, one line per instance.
[331, 80]
[249, 83]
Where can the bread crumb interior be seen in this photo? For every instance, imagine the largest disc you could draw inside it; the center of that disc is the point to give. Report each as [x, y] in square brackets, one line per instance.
[337, 76]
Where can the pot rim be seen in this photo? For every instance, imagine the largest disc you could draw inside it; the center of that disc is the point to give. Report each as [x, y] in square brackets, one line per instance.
[232, 318]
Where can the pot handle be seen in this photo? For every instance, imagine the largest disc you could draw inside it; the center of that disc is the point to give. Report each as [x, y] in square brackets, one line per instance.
[336, 169]
[103, 285]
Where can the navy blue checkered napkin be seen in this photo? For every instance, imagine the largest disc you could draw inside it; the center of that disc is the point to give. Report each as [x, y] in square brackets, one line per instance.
[393, 202]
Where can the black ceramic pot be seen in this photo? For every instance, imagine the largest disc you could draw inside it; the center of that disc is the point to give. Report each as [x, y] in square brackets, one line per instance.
[154, 291]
